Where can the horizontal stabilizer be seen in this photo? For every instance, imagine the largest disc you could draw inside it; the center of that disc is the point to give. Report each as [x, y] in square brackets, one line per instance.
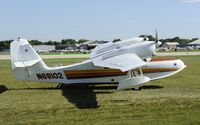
[26, 64]
[132, 82]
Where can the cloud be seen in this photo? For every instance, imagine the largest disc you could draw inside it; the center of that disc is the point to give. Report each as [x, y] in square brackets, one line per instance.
[190, 1]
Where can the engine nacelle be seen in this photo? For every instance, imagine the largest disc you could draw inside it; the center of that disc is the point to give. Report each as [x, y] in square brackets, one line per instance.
[144, 50]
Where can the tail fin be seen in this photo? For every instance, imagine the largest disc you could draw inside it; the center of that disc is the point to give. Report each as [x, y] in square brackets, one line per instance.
[23, 57]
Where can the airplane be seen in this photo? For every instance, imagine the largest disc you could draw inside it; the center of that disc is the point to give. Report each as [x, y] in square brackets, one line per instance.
[128, 63]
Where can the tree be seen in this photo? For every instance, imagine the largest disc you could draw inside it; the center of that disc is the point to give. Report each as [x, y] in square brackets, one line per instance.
[116, 40]
[68, 41]
[5, 44]
[194, 39]
[184, 41]
[175, 39]
[52, 43]
[56, 43]
[2, 45]
[35, 42]
[49, 43]
[82, 40]
[1, 48]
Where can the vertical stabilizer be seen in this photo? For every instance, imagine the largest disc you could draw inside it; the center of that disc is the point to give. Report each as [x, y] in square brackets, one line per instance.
[23, 57]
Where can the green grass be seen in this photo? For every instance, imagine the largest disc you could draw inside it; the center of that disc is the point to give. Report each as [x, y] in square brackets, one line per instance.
[171, 101]
[193, 50]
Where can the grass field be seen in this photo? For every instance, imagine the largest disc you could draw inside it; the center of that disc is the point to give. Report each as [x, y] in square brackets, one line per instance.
[171, 101]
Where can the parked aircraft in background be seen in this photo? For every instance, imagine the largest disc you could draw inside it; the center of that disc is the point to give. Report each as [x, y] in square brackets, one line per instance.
[128, 63]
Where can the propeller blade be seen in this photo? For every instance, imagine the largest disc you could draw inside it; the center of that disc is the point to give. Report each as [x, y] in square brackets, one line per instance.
[157, 42]
[156, 37]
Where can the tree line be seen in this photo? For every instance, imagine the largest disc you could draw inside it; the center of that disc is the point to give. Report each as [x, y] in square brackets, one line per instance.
[6, 43]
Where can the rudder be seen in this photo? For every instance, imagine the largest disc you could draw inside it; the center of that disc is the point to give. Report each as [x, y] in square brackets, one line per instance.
[23, 57]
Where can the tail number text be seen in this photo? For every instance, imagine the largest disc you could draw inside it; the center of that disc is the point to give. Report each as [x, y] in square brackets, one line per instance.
[49, 76]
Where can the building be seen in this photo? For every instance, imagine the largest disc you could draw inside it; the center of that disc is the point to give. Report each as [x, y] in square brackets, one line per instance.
[170, 45]
[44, 48]
[195, 44]
[66, 47]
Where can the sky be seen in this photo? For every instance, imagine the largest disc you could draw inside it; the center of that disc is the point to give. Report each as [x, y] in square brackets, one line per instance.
[98, 19]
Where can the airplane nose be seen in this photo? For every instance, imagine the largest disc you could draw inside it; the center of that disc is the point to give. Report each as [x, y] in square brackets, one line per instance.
[179, 64]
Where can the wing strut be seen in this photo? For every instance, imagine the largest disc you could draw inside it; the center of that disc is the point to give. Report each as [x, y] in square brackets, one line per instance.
[135, 73]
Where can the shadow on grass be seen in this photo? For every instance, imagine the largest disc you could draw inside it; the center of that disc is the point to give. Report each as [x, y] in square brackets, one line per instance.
[84, 96]
[151, 87]
[3, 88]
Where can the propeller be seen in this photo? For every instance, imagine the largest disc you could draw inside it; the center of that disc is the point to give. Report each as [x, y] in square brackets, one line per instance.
[156, 36]
[157, 42]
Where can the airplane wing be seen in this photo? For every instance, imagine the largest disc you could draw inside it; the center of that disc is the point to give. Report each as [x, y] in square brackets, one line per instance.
[106, 47]
[124, 62]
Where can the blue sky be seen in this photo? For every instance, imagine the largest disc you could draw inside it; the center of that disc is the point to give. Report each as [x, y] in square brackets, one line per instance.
[98, 19]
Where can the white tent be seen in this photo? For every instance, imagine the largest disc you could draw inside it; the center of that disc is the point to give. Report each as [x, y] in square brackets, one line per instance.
[170, 45]
[196, 42]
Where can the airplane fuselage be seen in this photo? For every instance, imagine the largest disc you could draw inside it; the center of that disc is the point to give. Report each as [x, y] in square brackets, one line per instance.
[86, 72]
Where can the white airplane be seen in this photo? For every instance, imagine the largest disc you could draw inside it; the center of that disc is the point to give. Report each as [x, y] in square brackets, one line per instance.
[128, 63]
